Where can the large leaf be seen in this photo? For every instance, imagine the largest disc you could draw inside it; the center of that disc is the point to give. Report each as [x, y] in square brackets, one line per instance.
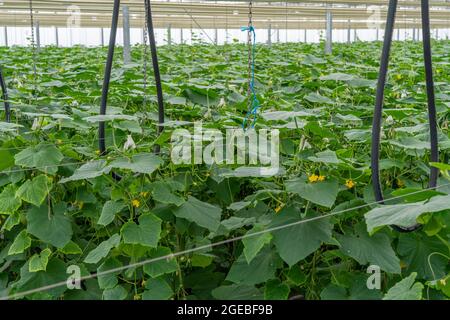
[318, 98]
[6, 159]
[411, 143]
[163, 193]
[39, 261]
[404, 215]
[415, 194]
[12, 221]
[422, 254]
[139, 163]
[275, 290]
[163, 266]
[50, 226]
[237, 292]
[116, 293]
[88, 171]
[261, 269]
[157, 289]
[56, 272]
[71, 248]
[146, 233]
[310, 59]
[338, 77]
[201, 213]
[103, 249]
[107, 278]
[254, 244]
[307, 236]
[109, 211]
[34, 191]
[9, 203]
[286, 115]
[361, 83]
[323, 193]
[177, 100]
[327, 156]
[234, 223]
[406, 289]
[44, 157]
[8, 127]
[21, 242]
[365, 249]
[109, 117]
[354, 287]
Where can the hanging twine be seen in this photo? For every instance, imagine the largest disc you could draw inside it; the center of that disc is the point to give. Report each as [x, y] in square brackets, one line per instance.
[252, 113]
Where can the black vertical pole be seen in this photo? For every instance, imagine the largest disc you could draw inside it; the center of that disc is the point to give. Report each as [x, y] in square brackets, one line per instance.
[378, 112]
[376, 129]
[106, 81]
[5, 97]
[151, 35]
[434, 157]
[107, 77]
[377, 117]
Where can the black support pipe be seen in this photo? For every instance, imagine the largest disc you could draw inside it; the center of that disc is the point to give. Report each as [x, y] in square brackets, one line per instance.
[377, 116]
[107, 75]
[377, 119]
[434, 156]
[159, 94]
[5, 97]
[106, 81]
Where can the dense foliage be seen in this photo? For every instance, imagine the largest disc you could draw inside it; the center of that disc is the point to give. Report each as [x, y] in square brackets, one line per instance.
[60, 206]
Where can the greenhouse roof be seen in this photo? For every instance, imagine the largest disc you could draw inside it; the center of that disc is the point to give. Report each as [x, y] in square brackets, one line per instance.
[308, 14]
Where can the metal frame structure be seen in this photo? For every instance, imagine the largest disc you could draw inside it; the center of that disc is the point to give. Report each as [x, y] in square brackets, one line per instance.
[309, 14]
[297, 15]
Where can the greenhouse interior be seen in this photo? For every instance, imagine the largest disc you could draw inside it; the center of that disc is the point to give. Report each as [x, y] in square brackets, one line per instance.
[224, 150]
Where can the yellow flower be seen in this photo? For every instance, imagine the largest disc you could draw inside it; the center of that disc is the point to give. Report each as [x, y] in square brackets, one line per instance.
[136, 203]
[143, 194]
[349, 183]
[314, 178]
[78, 204]
[97, 152]
[443, 282]
[278, 209]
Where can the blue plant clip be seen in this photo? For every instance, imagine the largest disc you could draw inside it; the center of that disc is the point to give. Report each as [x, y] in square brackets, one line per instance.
[255, 105]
